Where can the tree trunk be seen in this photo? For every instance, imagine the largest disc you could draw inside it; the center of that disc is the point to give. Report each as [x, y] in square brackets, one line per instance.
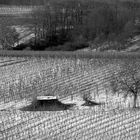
[135, 101]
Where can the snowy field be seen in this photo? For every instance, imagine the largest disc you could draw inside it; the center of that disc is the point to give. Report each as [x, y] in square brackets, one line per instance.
[23, 79]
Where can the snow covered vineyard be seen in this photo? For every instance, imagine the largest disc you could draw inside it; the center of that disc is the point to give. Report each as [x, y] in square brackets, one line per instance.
[82, 124]
[64, 80]
[22, 79]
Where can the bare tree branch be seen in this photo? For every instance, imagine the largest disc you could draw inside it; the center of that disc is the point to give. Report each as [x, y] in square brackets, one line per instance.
[127, 80]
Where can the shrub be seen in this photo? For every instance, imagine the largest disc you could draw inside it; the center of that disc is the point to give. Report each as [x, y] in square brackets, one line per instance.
[21, 46]
[8, 37]
[72, 46]
[87, 97]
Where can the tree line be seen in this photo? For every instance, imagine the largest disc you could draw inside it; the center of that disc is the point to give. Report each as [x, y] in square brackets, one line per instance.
[54, 25]
[78, 24]
[71, 25]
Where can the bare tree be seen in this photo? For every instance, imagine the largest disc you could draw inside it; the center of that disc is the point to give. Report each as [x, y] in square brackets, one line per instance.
[127, 81]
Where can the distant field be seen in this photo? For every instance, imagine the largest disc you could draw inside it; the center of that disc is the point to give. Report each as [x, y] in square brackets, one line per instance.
[16, 10]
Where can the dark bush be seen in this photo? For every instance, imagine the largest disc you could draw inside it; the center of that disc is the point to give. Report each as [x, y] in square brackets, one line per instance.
[21, 47]
[73, 46]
